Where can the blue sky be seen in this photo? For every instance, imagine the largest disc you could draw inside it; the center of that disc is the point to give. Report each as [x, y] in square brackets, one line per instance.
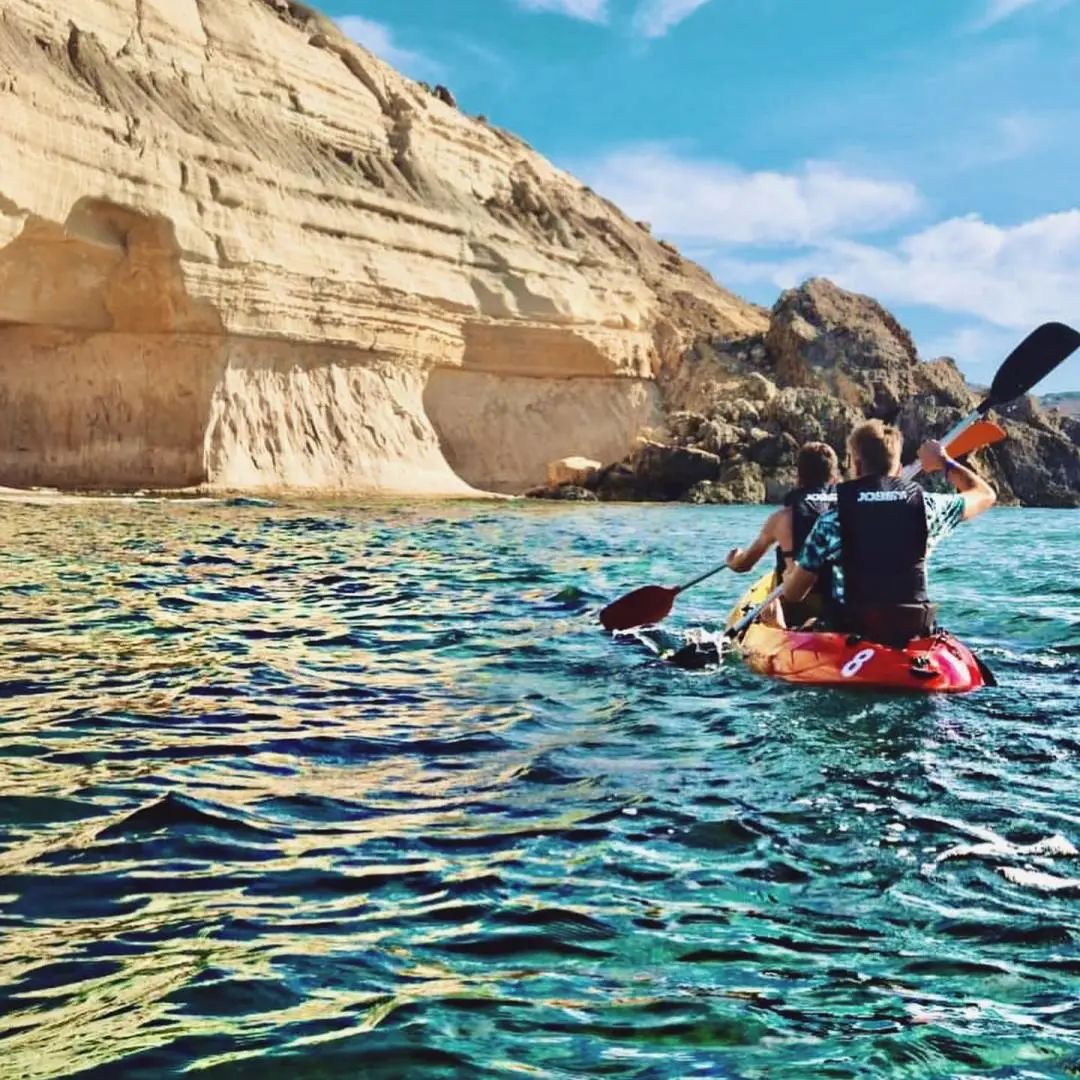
[921, 151]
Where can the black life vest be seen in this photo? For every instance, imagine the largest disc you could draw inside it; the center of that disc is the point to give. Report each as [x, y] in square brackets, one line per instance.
[807, 505]
[884, 534]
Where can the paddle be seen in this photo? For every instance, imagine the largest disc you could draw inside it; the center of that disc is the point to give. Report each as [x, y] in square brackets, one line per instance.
[1032, 360]
[651, 603]
[981, 434]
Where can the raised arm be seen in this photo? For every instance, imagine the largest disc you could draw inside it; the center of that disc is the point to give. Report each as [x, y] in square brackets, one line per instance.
[977, 494]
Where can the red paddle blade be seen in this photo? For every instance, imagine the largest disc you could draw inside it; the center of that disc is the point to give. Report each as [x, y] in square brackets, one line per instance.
[649, 604]
[981, 433]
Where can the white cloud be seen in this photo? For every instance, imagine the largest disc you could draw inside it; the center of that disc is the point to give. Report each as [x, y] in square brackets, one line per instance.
[712, 201]
[1013, 136]
[589, 10]
[1010, 277]
[993, 140]
[656, 17]
[379, 39]
[998, 10]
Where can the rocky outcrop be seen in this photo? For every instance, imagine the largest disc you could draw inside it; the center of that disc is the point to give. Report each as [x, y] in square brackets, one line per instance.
[740, 408]
[1039, 463]
[847, 345]
[577, 471]
[237, 250]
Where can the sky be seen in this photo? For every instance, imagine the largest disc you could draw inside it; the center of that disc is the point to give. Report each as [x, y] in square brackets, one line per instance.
[921, 151]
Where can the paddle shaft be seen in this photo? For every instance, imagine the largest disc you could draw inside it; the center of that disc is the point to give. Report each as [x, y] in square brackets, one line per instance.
[699, 580]
[751, 616]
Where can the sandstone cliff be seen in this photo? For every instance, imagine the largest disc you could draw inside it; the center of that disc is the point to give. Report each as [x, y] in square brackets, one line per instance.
[237, 250]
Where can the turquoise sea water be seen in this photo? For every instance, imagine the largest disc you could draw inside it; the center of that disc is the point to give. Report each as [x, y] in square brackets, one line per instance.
[321, 791]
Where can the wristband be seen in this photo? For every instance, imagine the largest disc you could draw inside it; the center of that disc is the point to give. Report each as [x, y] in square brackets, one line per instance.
[951, 464]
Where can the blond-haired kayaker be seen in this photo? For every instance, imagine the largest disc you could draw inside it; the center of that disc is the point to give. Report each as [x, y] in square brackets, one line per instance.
[876, 540]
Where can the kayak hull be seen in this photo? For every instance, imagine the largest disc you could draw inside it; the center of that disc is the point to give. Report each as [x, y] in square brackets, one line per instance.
[938, 664]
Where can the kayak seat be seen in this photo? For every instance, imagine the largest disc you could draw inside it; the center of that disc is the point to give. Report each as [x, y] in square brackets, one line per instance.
[800, 612]
[894, 625]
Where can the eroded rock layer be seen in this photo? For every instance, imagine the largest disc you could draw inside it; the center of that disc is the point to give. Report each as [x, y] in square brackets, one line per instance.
[238, 250]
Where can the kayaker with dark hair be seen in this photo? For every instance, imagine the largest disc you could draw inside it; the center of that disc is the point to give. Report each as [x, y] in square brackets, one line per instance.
[876, 540]
[817, 471]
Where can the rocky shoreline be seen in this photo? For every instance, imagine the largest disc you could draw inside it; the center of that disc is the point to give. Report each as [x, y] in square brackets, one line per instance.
[738, 410]
[436, 310]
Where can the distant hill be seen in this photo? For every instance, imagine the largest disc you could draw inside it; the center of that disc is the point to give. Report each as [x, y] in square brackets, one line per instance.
[1067, 403]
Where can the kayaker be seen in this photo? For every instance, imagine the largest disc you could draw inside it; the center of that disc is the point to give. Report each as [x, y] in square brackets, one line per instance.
[817, 471]
[877, 538]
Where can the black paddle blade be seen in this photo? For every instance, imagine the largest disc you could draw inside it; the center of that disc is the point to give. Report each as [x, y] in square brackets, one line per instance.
[1031, 361]
[988, 676]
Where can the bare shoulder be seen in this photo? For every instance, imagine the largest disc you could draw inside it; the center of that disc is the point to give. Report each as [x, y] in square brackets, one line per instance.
[778, 523]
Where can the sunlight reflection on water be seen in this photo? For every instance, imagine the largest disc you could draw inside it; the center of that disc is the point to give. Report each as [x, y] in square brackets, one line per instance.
[335, 790]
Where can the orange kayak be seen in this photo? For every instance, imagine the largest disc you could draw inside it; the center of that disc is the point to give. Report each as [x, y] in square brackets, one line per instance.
[940, 664]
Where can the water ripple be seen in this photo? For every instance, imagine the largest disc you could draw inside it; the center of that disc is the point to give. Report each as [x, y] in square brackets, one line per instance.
[337, 791]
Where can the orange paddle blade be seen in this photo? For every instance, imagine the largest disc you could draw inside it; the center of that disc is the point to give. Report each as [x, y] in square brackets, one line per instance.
[981, 433]
[649, 604]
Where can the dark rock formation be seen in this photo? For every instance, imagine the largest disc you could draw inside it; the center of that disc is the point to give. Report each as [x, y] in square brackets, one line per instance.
[446, 96]
[738, 410]
[562, 492]
[739, 482]
[658, 472]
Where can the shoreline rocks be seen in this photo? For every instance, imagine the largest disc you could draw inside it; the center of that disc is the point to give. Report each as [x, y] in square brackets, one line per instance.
[572, 471]
[738, 410]
[311, 274]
